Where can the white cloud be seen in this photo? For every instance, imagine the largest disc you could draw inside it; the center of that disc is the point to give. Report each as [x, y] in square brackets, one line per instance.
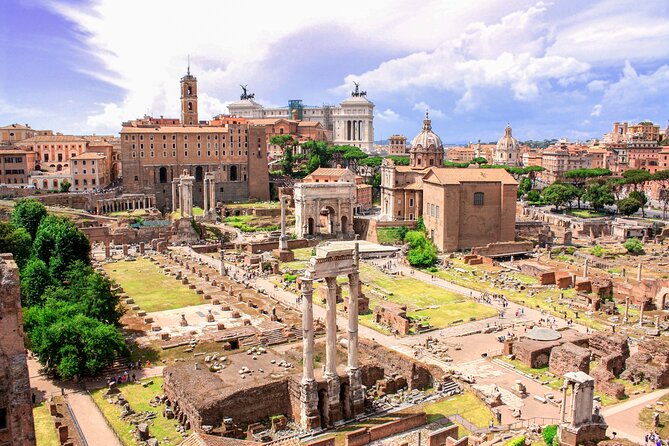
[638, 90]
[596, 110]
[387, 115]
[510, 53]
[423, 107]
[597, 85]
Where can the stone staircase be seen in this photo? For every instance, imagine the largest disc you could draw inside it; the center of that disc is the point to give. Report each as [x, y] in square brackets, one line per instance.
[451, 388]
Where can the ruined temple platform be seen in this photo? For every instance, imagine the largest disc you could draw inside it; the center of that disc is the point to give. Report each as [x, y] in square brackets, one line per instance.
[368, 250]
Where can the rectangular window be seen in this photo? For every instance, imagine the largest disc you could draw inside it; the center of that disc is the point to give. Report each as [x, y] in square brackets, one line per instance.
[478, 198]
[410, 202]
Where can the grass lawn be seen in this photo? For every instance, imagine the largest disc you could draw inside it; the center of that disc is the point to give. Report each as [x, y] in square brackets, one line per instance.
[134, 213]
[423, 300]
[646, 418]
[256, 204]
[538, 301]
[149, 287]
[302, 256]
[467, 405]
[251, 223]
[45, 430]
[196, 211]
[139, 397]
[390, 236]
[586, 213]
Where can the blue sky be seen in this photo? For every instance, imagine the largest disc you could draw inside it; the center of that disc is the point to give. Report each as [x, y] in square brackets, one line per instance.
[551, 70]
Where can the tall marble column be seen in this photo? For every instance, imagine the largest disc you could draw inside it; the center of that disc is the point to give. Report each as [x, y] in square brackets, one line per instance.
[212, 195]
[357, 396]
[205, 190]
[283, 239]
[309, 416]
[331, 378]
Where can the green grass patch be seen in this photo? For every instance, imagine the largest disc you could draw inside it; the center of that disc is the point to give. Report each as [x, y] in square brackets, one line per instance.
[196, 212]
[249, 223]
[646, 418]
[390, 236]
[586, 213]
[149, 287]
[135, 213]
[45, 430]
[438, 306]
[139, 397]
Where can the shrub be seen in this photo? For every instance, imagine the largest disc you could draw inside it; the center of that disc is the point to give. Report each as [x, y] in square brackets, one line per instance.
[570, 250]
[597, 251]
[518, 441]
[432, 269]
[422, 252]
[549, 433]
[289, 277]
[633, 246]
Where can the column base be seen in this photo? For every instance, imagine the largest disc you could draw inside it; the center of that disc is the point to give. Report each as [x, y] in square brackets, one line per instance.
[357, 392]
[309, 416]
[284, 255]
[334, 405]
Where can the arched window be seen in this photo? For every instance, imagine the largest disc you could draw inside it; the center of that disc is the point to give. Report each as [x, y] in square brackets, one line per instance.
[162, 175]
[189, 91]
[233, 173]
[198, 174]
[190, 106]
[478, 198]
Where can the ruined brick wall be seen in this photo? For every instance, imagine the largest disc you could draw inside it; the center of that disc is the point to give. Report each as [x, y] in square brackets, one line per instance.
[439, 437]
[569, 357]
[418, 375]
[366, 435]
[611, 349]
[15, 405]
[393, 316]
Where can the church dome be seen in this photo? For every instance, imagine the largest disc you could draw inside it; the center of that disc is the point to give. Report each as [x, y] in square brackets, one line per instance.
[427, 139]
[508, 143]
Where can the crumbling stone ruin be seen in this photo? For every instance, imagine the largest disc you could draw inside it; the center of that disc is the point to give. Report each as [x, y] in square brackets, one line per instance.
[569, 357]
[393, 316]
[580, 423]
[16, 415]
[651, 362]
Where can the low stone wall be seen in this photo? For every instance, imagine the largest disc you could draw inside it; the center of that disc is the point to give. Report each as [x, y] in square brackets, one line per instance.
[258, 247]
[367, 435]
[501, 249]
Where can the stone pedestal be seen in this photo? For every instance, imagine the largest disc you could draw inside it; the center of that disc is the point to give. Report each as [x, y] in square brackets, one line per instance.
[141, 248]
[284, 255]
[309, 417]
[125, 249]
[333, 387]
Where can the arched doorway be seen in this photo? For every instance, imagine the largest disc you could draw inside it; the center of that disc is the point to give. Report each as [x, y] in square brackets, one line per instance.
[344, 224]
[233, 173]
[310, 226]
[198, 174]
[327, 220]
[162, 175]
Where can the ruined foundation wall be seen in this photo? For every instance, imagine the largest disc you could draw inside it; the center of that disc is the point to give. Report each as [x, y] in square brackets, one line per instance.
[417, 375]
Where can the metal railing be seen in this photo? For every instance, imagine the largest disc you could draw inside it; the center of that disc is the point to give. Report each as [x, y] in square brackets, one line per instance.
[76, 424]
[111, 428]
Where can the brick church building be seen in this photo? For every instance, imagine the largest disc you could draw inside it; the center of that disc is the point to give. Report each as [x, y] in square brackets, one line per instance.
[156, 151]
[461, 208]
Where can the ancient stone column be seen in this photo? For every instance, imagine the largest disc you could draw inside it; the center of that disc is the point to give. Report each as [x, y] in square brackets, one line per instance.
[141, 248]
[308, 330]
[563, 406]
[309, 416]
[585, 268]
[641, 314]
[331, 327]
[212, 195]
[221, 267]
[283, 239]
[657, 322]
[627, 310]
[354, 375]
[205, 190]
[331, 377]
[638, 272]
[107, 251]
[182, 198]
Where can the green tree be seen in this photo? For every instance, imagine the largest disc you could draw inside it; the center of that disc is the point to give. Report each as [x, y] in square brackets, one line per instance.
[59, 243]
[479, 160]
[420, 224]
[579, 177]
[549, 433]
[662, 177]
[628, 206]
[559, 194]
[524, 186]
[287, 144]
[633, 246]
[641, 197]
[65, 186]
[352, 157]
[599, 195]
[636, 177]
[70, 344]
[534, 196]
[317, 154]
[35, 279]
[422, 252]
[17, 241]
[400, 160]
[93, 292]
[28, 213]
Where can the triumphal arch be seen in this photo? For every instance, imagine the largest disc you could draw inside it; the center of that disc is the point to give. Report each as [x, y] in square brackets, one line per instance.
[324, 208]
[324, 406]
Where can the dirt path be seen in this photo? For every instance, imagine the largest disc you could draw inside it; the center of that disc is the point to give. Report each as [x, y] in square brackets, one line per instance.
[90, 419]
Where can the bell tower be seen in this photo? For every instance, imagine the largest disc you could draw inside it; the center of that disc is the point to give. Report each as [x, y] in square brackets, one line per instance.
[189, 99]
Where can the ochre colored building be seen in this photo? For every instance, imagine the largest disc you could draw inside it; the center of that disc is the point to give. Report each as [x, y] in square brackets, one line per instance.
[15, 166]
[461, 208]
[154, 155]
[90, 171]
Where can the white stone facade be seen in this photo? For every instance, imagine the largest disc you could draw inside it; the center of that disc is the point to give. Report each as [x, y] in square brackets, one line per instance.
[351, 123]
[324, 208]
